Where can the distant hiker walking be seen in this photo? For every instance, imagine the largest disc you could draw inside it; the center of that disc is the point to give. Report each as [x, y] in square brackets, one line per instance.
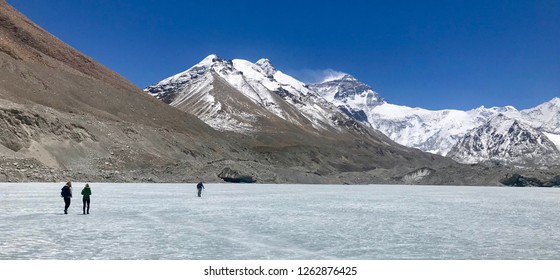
[199, 187]
[86, 192]
[66, 192]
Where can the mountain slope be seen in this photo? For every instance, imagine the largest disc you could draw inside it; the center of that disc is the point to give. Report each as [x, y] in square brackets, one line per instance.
[545, 117]
[507, 141]
[68, 116]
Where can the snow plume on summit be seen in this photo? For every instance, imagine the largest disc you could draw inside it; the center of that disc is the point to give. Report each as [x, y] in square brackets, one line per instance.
[332, 75]
[316, 76]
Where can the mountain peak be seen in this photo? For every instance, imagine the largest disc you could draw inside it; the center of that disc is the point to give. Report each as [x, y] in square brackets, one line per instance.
[266, 65]
[343, 89]
[348, 77]
[555, 101]
[209, 60]
[499, 118]
[264, 61]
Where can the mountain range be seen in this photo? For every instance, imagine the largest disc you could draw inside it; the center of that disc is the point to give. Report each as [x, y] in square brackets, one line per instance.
[461, 135]
[65, 117]
[272, 109]
[446, 132]
[504, 140]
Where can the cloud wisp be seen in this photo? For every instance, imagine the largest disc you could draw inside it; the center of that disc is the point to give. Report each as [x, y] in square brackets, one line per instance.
[315, 76]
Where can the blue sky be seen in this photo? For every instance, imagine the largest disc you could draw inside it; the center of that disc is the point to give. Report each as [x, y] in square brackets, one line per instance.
[429, 54]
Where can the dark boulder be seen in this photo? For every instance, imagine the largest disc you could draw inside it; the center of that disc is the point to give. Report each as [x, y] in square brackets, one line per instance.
[233, 176]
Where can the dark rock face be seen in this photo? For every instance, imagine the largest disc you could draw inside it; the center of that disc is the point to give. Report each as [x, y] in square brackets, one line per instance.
[358, 115]
[555, 181]
[517, 180]
[233, 176]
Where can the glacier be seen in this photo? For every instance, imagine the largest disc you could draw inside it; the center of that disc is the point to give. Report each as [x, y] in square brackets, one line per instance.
[282, 222]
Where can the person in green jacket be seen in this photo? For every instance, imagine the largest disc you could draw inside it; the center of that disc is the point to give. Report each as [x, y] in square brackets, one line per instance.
[86, 192]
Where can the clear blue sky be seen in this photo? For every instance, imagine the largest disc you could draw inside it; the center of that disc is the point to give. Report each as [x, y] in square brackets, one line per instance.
[429, 54]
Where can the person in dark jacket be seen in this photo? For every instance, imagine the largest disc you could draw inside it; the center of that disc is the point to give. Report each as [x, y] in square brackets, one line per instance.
[199, 187]
[86, 192]
[66, 193]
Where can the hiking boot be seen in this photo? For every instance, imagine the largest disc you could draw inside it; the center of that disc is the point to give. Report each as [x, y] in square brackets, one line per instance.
[65, 212]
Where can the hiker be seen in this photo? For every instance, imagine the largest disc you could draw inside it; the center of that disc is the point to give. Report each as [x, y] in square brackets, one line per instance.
[199, 187]
[67, 194]
[86, 192]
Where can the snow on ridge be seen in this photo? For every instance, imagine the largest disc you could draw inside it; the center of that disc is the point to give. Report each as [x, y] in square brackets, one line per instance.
[287, 80]
[555, 138]
[209, 60]
[431, 131]
[184, 76]
[545, 116]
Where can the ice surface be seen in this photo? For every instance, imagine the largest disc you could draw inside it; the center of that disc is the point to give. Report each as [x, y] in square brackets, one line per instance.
[168, 221]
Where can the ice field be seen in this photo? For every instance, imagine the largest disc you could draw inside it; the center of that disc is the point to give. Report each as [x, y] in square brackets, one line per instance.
[237, 221]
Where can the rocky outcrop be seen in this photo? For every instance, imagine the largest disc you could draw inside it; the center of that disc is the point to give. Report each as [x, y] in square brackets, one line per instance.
[233, 176]
[18, 128]
[517, 180]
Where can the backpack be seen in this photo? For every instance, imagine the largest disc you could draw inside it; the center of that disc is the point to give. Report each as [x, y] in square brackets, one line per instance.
[65, 191]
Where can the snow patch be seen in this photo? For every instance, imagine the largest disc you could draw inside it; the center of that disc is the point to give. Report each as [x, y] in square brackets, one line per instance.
[555, 138]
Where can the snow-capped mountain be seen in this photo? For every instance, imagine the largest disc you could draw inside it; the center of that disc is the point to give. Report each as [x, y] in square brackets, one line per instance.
[507, 141]
[241, 96]
[431, 131]
[237, 95]
[349, 95]
[545, 117]
[285, 124]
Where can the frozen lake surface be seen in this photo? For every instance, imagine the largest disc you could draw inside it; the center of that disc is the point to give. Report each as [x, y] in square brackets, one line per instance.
[168, 221]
